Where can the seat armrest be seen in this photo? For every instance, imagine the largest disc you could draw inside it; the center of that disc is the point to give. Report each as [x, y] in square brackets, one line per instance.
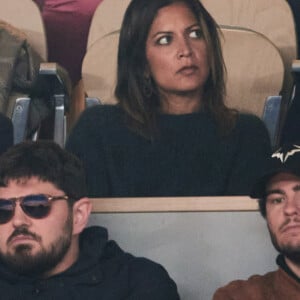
[271, 117]
[60, 88]
[58, 80]
[296, 74]
[20, 118]
[296, 66]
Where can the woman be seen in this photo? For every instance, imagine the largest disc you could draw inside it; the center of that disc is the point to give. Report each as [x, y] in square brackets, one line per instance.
[171, 133]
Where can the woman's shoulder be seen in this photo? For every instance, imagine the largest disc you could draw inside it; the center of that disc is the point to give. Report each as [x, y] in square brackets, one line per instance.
[246, 120]
[252, 128]
[94, 124]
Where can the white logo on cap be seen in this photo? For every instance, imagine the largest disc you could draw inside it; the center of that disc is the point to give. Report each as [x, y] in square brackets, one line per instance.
[284, 156]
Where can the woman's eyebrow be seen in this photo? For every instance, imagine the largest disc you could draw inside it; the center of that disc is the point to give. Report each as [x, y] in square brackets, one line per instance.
[171, 32]
[160, 33]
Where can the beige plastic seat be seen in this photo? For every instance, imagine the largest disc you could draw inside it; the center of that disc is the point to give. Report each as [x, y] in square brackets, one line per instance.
[255, 69]
[26, 16]
[272, 18]
[107, 18]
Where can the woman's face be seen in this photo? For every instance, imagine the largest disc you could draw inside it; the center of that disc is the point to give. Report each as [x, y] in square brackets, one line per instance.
[176, 52]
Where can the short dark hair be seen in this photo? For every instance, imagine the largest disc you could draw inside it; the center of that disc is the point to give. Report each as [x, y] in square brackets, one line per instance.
[262, 206]
[48, 162]
[140, 109]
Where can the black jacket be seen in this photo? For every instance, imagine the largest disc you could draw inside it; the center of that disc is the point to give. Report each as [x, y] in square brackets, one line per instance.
[6, 133]
[103, 272]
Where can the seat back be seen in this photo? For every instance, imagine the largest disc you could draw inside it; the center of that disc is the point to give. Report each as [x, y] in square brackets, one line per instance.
[26, 16]
[255, 69]
[107, 18]
[272, 18]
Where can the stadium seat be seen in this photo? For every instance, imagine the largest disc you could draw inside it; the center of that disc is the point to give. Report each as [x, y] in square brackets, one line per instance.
[32, 39]
[272, 18]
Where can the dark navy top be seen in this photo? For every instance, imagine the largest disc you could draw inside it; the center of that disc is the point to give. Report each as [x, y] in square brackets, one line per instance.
[187, 159]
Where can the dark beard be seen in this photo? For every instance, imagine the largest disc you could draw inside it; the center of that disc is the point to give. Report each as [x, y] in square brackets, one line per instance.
[292, 252]
[23, 262]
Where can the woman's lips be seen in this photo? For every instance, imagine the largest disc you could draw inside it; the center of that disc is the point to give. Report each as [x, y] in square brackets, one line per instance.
[188, 70]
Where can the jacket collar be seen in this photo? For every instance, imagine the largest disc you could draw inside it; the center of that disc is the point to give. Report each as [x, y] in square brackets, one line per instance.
[283, 265]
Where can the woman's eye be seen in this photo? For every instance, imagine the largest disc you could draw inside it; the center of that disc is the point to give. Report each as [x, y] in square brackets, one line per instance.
[196, 34]
[164, 40]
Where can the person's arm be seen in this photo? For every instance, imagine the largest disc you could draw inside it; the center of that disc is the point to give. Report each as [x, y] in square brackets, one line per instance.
[85, 141]
[256, 287]
[150, 281]
[253, 148]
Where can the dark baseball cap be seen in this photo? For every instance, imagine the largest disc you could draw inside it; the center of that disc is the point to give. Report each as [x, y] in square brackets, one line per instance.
[284, 160]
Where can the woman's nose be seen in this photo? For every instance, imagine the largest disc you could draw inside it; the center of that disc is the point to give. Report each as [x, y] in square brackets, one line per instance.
[184, 48]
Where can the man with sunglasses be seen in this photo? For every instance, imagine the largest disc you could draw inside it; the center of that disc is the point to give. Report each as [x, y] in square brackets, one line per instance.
[278, 192]
[45, 250]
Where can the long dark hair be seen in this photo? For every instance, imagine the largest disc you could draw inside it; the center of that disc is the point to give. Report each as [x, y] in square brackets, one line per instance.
[140, 108]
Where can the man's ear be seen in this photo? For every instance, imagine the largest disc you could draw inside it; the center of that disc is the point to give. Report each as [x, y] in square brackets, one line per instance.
[81, 211]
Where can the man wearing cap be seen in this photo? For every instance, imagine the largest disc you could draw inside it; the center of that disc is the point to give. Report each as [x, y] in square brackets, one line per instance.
[278, 192]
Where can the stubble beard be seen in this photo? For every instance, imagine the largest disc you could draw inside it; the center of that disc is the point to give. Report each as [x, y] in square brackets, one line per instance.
[289, 250]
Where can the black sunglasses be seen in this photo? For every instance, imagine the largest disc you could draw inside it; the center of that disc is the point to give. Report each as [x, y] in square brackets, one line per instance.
[34, 206]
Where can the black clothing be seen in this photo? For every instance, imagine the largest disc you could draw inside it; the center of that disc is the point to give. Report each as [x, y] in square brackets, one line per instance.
[188, 158]
[103, 272]
[6, 133]
[283, 265]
